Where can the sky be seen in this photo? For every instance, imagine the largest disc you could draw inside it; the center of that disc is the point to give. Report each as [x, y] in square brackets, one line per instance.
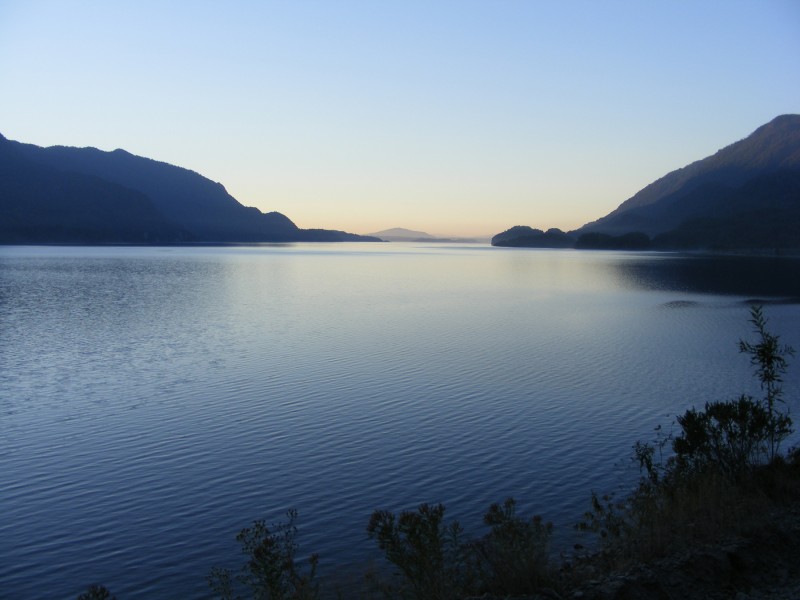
[458, 118]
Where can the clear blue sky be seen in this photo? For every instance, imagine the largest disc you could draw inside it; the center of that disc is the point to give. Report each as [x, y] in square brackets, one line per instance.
[456, 118]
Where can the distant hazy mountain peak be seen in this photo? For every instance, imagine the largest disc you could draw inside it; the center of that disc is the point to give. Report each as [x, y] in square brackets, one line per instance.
[400, 233]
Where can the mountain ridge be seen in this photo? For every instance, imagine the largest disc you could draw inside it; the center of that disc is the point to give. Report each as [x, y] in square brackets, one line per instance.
[772, 147]
[745, 196]
[187, 207]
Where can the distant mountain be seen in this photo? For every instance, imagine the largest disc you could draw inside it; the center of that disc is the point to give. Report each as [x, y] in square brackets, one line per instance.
[399, 234]
[746, 196]
[85, 195]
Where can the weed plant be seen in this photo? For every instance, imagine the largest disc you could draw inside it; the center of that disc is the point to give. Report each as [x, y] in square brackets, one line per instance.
[769, 357]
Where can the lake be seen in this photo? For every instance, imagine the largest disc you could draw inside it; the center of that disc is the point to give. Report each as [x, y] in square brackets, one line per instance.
[155, 401]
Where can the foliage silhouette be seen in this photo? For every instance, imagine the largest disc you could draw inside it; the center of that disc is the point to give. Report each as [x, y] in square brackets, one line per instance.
[769, 358]
[729, 436]
[733, 437]
[435, 563]
[428, 551]
[514, 555]
[271, 572]
[97, 592]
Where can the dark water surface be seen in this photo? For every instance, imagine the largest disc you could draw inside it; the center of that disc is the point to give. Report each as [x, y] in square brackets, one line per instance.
[154, 401]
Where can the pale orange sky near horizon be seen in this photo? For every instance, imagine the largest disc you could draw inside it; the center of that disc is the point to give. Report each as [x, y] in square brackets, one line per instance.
[455, 118]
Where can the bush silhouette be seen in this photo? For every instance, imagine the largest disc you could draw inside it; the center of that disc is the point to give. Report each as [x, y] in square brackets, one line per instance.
[270, 572]
[429, 553]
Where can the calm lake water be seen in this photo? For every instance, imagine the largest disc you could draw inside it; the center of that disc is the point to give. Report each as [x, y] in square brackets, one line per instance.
[154, 401]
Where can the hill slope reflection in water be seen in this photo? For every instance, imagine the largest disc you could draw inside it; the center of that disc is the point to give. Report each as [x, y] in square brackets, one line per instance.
[154, 401]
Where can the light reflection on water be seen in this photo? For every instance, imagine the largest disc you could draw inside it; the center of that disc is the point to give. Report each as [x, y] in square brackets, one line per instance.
[156, 400]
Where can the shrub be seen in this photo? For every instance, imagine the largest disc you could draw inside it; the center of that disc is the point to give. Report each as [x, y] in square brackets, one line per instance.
[512, 558]
[733, 437]
[429, 553]
[97, 592]
[270, 572]
[514, 555]
[730, 437]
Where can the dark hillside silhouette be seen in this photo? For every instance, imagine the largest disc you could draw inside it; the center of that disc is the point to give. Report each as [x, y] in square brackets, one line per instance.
[196, 208]
[41, 204]
[197, 203]
[704, 188]
[744, 197]
[763, 213]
